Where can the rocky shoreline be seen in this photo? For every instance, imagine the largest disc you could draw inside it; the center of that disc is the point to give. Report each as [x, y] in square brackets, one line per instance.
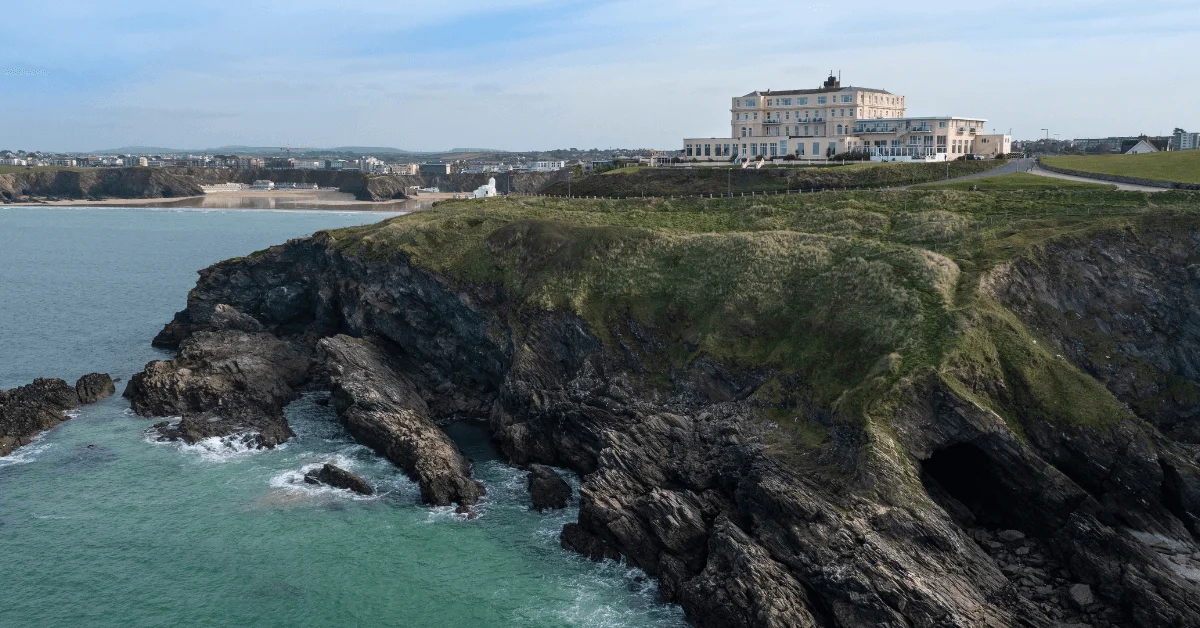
[29, 410]
[950, 516]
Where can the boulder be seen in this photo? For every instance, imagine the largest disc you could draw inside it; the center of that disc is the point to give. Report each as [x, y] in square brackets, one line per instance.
[94, 386]
[547, 489]
[338, 477]
[1081, 595]
[1011, 535]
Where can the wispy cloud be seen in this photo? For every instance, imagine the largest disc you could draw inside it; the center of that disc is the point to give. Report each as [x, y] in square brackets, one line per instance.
[546, 73]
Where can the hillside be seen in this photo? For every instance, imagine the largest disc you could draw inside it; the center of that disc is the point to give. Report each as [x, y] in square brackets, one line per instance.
[901, 408]
[1174, 166]
[637, 182]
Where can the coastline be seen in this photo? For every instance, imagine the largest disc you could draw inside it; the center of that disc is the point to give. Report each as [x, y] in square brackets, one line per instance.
[261, 199]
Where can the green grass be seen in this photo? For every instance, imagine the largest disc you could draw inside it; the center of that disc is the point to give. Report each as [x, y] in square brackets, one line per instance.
[15, 169]
[848, 293]
[1017, 181]
[1177, 166]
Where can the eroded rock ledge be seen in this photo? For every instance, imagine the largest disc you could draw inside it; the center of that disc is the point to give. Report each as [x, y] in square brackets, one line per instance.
[384, 411]
[891, 528]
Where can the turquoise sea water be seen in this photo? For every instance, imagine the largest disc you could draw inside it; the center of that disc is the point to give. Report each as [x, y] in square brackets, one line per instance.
[99, 526]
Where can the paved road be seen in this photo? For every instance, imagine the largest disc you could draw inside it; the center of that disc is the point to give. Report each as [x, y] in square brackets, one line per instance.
[1120, 186]
[1016, 165]
[1031, 166]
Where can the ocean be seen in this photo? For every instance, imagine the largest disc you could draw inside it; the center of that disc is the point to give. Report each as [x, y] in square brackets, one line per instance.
[102, 526]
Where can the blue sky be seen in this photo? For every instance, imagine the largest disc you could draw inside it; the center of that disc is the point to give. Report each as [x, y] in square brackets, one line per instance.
[537, 74]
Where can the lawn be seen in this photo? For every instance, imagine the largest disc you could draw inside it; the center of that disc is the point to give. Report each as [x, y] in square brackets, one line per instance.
[1177, 166]
[1017, 181]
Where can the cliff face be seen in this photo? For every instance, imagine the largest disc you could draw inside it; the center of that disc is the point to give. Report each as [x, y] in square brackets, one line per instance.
[97, 184]
[966, 496]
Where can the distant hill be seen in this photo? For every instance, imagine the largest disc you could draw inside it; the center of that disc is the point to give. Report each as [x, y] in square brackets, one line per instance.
[250, 150]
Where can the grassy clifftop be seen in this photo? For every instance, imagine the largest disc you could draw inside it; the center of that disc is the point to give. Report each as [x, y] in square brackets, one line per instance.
[1175, 166]
[630, 182]
[849, 293]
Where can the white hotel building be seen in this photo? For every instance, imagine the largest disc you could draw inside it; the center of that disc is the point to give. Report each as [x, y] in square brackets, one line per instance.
[817, 124]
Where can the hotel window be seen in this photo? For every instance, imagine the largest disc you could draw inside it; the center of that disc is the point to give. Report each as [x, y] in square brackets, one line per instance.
[800, 148]
[774, 149]
[762, 149]
[783, 147]
[787, 115]
[847, 98]
[806, 129]
[755, 115]
[851, 112]
[842, 113]
[689, 150]
[816, 149]
[802, 101]
[787, 102]
[708, 150]
[942, 123]
[754, 150]
[750, 103]
[820, 100]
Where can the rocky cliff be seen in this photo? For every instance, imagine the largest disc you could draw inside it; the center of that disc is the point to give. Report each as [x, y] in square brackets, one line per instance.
[792, 415]
[97, 183]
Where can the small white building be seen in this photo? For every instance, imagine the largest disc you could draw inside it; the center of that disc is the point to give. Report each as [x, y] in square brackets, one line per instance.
[262, 184]
[1142, 147]
[486, 191]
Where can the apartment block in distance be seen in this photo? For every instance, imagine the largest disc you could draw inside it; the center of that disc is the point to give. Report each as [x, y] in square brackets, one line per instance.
[817, 124]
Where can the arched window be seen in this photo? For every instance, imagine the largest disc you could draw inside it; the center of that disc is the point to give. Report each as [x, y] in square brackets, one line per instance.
[839, 129]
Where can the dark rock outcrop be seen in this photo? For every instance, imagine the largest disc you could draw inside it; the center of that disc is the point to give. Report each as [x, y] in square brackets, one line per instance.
[29, 410]
[384, 411]
[338, 477]
[223, 383]
[94, 387]
[891, 527]
[547, 489]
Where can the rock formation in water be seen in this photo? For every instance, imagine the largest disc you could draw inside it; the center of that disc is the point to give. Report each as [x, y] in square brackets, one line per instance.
[547, 489]
[1007, 483]
[29, 410]
[227, 382]
[338, 477]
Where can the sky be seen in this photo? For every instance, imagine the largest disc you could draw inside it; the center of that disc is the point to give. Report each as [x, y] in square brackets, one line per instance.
[543, 74]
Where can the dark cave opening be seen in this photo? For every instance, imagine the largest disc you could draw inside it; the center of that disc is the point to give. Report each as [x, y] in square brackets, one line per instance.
[968, 485]
[1172, 497]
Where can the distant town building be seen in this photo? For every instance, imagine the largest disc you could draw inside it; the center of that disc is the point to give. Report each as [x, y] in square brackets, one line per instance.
[817, 124]
[1182, 140]
[435, 168]
[409, 169]
[547, 166]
